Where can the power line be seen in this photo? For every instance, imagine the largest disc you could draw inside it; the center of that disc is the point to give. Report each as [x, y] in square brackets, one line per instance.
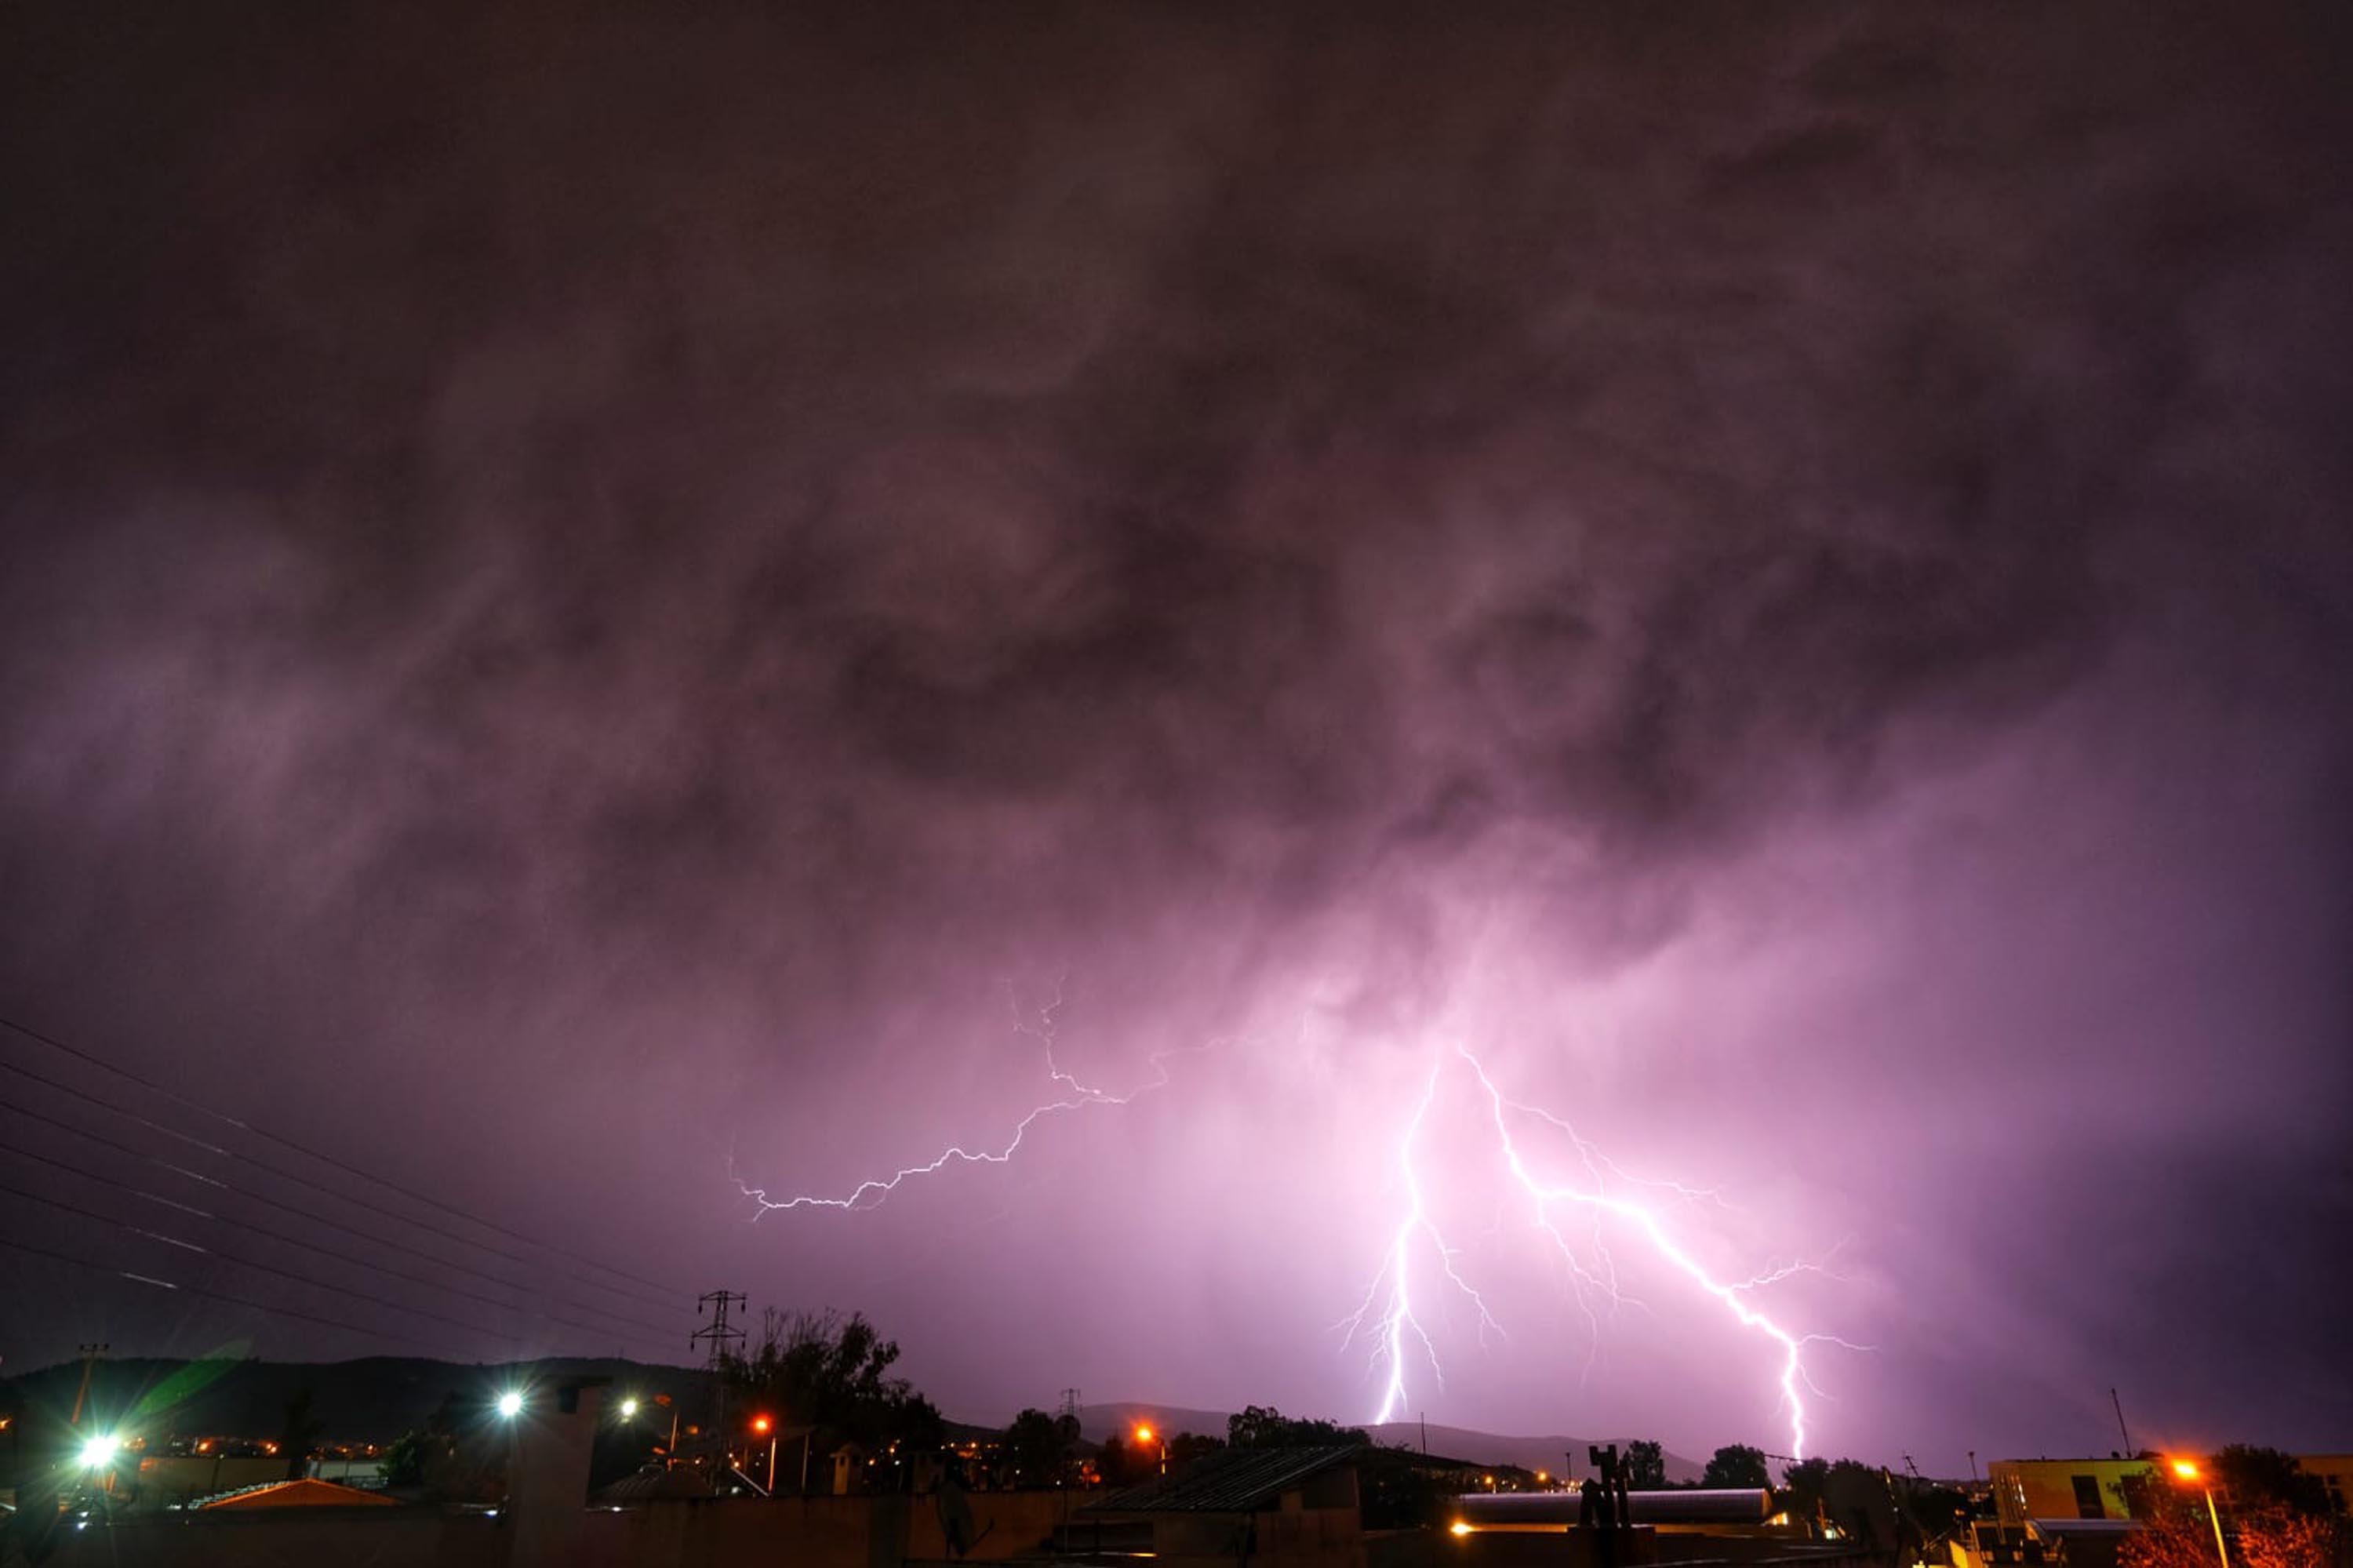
[324, 1159]
[209, 1295]
[81, 1174]
[317, 1218]
[264, 1166]
[231, 1257]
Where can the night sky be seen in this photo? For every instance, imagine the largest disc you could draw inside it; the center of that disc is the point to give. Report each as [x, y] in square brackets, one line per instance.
[599, 609]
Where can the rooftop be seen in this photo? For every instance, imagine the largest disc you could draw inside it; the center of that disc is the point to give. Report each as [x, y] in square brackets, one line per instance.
[1239, 1480]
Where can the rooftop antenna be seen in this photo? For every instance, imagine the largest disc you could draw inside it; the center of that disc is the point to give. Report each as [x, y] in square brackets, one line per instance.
[2120, 1420]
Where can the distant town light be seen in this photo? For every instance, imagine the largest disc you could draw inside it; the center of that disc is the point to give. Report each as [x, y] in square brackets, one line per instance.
[761, 1423]
[1460, 1527]
[511, 1404]
[100, 1451]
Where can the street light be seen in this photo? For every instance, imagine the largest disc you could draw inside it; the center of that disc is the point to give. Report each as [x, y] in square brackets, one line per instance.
[629, 1409]
[2188, 1470]
[764, 1427]
[509, 1405]
[100, 1451]
[1145, 1435]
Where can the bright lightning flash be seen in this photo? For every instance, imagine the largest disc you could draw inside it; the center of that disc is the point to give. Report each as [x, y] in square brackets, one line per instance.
[1387, 1316]
[1394, 1322]
[1074, 1096]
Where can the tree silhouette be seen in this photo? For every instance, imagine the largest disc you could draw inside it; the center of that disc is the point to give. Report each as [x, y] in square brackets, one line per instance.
[2176, 1533]
[1646, 1465]
[302, 1430]
[828, 1371]
[1036, 1450]
[1264, 1426]
[1737, 1465]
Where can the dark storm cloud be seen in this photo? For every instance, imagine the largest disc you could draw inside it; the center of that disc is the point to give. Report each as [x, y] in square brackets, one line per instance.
[768, 525]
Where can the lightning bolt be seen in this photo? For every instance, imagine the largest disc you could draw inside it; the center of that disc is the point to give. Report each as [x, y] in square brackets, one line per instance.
[1387, 1317]
[1396, 1321]
[1074, 1096]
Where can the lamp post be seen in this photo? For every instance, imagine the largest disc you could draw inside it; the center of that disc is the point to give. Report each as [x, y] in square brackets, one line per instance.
[762, 1427]
[1145, 1435]
[2189, 1472]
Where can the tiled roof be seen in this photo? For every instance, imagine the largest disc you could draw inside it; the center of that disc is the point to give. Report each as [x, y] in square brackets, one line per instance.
[307, 1492]
[1239, 1480]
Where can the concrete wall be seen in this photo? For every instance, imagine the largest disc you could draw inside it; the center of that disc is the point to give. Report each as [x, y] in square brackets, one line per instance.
[290, 1538]
[881, 1532]
[165, 1478]
[2045, 1488]
[1293, 1537]
[808, 1532]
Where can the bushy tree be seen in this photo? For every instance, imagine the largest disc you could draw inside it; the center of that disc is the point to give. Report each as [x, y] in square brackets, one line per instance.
[300, 1432]
[2264, 1532]
[2266, 1478]
[828, 1371]
[1800, 1493]
[1264, 1426]
[404, 1458]
[1189, 1447]
[1646, 1465]
[1036, 1450]
[1737, 1465]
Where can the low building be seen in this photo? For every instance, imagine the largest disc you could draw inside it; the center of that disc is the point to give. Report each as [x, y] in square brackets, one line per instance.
[2065, 1490]
[1276, 1508]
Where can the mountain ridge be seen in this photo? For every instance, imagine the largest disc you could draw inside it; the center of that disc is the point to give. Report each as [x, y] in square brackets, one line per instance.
[374, 1399]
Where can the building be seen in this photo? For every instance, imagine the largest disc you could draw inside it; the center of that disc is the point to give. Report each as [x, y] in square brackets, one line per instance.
[1275, 1508]
[2057, 1490]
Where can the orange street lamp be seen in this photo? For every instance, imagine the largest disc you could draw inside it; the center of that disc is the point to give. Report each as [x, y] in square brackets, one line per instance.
[762, 1427]
[2188, 1470]
[1145, 1435]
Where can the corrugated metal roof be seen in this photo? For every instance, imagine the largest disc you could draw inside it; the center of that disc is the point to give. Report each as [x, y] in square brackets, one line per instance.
[1239, 1480]
[652, 1484]
[1694, 1505]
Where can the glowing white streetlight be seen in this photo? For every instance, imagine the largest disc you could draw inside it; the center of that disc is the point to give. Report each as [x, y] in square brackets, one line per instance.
[628, 1410]
[100, 1451]
[509, 1405]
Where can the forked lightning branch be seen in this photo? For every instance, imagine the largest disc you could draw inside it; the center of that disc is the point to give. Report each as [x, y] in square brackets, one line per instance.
[1531, 1145]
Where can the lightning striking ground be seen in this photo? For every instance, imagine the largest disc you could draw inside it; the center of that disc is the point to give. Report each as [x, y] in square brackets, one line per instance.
[1397, 1322]
[1387, 1316]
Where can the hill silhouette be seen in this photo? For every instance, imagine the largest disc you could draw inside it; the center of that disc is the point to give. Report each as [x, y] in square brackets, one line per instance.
[1097, 1421]
[377, 1398]
[371, 1400]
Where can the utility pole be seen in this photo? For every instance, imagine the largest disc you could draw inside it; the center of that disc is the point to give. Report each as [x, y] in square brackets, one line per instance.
[90, 1354]
[2121, 1431]
[717, 1304]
